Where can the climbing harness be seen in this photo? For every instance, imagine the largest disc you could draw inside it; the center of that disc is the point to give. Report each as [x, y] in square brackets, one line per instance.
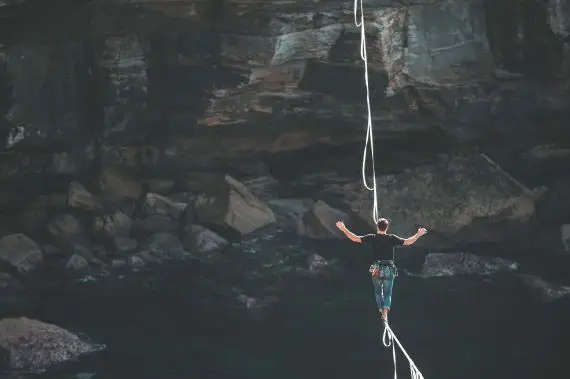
[388, 337]
[375, 268]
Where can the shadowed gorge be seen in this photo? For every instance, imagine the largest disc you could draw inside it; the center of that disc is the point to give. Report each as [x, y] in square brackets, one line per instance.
[171, 173]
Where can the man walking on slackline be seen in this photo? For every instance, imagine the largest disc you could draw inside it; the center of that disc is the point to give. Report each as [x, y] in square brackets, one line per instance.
[383, 269]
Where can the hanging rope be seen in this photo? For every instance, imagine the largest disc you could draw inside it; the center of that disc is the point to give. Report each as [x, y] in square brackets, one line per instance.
[369, 133]
[389, 337]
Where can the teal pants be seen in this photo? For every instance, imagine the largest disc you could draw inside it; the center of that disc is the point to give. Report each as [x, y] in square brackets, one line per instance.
[383, 284]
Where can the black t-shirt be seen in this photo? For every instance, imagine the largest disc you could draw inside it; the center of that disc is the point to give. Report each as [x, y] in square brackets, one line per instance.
[382, 245]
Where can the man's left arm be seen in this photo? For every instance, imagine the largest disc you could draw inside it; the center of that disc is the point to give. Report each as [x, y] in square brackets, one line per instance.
[411, 240]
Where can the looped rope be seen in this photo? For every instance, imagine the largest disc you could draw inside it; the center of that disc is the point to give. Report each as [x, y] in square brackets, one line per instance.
[369, 135]
[388, 339]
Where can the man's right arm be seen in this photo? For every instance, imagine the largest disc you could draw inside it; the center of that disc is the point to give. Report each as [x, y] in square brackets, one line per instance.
[351, 236]
[411, 240]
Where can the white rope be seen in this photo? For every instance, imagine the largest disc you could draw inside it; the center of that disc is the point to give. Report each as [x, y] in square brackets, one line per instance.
[369, 135]
[388, 339]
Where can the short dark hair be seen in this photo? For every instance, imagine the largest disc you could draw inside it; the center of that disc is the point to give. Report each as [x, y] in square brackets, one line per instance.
[382, 224]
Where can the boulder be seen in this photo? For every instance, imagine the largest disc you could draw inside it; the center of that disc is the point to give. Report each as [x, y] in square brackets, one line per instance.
[263, 187]
[318, 264]
[156, 223]
[458, 199]
[320, 222]
[158, 204]
[542, 289]
[78, 196]
[135, 262]
[116, 184]
[84, 252]
[124, 245]
[448, 264]
[35, 345]
[114, 225]
[202, 240]
[232, 205]
[77, 263]
[66, 228]
[32, 219]
[164, 243]
[289, 212]
[21, 252]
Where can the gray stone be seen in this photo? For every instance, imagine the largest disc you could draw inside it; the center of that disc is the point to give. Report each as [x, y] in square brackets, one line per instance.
[202, 240]
[77, 263]
[320, 222]
[21, 252]
[125, 245]
[35, 345]
[448, 264]
[232, 205]
[78, 196]
[157, 204]
[459, 199]
[542, 289]
[157, 223]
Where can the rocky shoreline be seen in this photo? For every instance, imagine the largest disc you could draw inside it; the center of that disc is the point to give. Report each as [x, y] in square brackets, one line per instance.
[119, 225]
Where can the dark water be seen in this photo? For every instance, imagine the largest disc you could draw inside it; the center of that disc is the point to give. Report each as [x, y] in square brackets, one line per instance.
[161, 326]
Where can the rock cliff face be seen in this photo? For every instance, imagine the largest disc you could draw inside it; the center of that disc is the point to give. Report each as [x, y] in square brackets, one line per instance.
[163, 89]
[184, 84]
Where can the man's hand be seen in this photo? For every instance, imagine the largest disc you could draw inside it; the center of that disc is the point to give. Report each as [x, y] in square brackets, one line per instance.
[351, 236]
[415, 237]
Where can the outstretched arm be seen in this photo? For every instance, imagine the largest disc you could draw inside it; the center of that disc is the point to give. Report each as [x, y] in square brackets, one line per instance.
[353, 237]
[411, 240]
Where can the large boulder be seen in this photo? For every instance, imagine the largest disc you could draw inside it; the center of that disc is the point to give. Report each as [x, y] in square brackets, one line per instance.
[164, 242]
[202, 240]
[459, 198]
[162, 246]
[290, 212]
[78, 196]
[34, 345]
[158, 204]
[232, 205]
[542, 289]
[320, 222]
[21, 252]
[448, 264]
[156, 223]
[66, 229]
[116, 185]
[113, 225]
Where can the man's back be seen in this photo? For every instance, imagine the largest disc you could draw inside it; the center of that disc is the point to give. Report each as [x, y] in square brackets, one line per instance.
[382, 245]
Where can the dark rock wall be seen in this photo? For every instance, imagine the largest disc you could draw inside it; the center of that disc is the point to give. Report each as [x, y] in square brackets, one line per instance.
[181, 85]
